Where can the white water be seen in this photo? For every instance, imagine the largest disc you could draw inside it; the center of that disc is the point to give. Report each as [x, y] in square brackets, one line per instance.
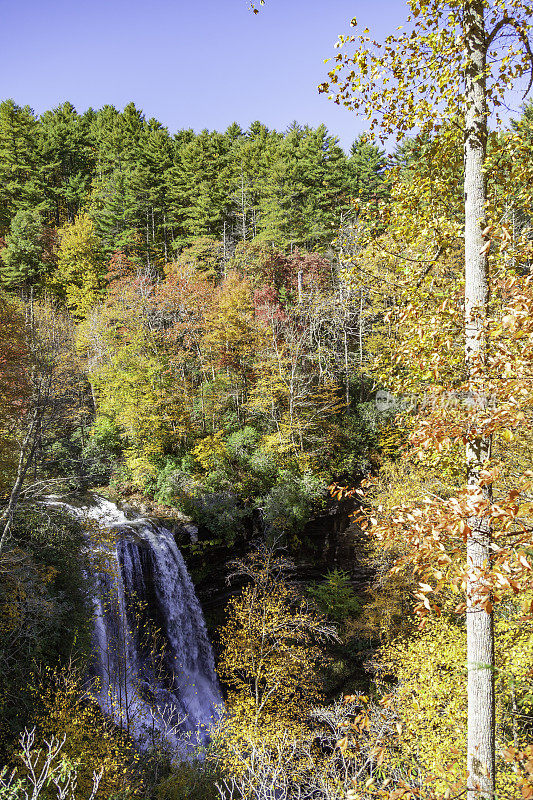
[153, 664]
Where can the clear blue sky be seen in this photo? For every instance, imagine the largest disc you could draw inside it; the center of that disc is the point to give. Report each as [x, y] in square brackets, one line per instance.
[189, 63]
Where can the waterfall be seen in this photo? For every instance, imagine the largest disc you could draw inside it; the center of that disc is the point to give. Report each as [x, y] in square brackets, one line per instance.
[152, 668]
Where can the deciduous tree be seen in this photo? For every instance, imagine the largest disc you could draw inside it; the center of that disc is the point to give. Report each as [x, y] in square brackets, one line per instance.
[80, 270]
[270, 652]
[449, 65]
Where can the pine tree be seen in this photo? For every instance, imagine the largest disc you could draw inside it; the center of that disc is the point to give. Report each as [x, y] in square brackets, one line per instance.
[20, 184]
[274, 202]
[306, 186]
[173, 183]
[119, 203]
[323, 177]
[158, 153]
[366, 166]
[22, 257]
[67, 156]
[198, 186]
[252, 157]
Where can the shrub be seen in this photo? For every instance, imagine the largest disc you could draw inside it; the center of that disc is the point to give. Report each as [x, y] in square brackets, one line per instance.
[102, 449]
[44, 617]
[335, 597]
[287, 507]
[92, 742]
[194, 779]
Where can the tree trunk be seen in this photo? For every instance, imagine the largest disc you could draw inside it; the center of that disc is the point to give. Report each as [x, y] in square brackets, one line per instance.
[346, 366]
[243, 209]
[361, 298]
[479, 623]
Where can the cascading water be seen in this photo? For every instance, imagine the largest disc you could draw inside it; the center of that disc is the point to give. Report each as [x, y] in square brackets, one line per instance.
[153, 666]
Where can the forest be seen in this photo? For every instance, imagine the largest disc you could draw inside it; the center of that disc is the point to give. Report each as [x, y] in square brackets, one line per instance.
[266, 491]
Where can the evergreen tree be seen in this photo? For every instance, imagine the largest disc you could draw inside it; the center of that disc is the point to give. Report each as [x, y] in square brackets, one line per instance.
[172, 181]
[67, 156]
[306, 187]
[118, 205]
[366, 166]
[251, 158]
[158, 154]
[20, 184]
[198, 184]
[23, 255]
[322, 176]
[275, 200]
[149, 194]
[409, 153]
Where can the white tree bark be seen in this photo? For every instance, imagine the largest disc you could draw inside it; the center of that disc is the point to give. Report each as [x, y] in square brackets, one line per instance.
[479, 623]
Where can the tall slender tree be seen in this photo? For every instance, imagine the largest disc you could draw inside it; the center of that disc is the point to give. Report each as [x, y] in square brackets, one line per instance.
[67, 161]
[367, 170]
[448, 64]
[21, 261]
[20, 184]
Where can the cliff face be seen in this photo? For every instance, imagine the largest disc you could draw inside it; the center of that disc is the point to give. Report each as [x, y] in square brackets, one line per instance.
[329, 540]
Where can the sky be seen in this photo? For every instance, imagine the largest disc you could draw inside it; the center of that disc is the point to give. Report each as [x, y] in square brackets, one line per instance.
[189, 63]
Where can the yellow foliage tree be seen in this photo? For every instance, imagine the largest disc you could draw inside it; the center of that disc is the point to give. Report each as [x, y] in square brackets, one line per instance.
[430, 698]
[270, 657]
[232, 339]
[136, 379]
[452, 65]
[91, 741]
[211, 451]
[80, 270]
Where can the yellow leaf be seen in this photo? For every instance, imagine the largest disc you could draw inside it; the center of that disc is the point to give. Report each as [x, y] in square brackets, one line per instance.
[342, 744]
